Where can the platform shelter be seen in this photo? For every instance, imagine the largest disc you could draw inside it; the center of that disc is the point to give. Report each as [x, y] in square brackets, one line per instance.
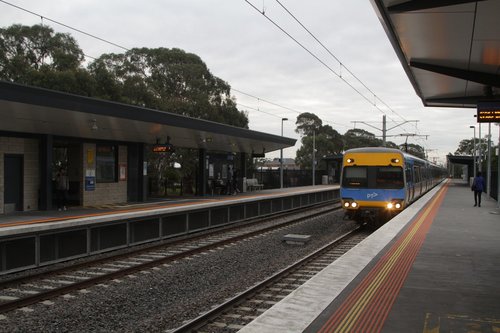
[104, 146]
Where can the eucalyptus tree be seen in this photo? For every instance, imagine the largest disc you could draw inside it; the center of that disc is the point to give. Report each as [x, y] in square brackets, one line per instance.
[326, 140]
[36, 55]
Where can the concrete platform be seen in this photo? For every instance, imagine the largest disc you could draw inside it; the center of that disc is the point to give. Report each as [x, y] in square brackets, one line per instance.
[433, 268]
[36, 239]
[32, 221]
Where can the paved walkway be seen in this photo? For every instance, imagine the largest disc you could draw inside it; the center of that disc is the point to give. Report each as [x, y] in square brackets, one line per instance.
[434, 268]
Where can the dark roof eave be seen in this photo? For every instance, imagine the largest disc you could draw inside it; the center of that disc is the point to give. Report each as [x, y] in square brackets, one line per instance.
[49, 98]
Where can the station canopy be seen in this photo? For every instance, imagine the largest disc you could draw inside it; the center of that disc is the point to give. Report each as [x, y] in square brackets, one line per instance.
[450, 49]
[40, 111]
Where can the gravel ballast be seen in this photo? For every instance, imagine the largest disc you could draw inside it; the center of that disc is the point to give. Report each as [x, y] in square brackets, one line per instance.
[161, 299]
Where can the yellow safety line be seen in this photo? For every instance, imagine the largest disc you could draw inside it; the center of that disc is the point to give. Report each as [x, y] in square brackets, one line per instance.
[354, 313]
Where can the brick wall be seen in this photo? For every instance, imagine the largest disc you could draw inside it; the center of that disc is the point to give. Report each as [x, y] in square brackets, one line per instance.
[104, 193]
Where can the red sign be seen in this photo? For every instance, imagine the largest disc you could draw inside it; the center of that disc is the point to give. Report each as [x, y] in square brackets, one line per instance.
[166, 148]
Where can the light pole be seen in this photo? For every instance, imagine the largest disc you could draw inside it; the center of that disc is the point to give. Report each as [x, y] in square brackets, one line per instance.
[474, 150]
[498, 173]
[479, 150]
[281, 155]
[314, 158]
[488, 172]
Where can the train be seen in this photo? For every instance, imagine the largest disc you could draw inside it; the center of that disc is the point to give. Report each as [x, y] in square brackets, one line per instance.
[377, 183]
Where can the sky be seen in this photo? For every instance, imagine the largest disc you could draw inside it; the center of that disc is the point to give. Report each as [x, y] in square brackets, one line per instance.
[271, 76]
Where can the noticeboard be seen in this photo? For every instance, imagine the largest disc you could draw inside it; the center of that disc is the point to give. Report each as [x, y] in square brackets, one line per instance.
[488, 112]
[89, 183]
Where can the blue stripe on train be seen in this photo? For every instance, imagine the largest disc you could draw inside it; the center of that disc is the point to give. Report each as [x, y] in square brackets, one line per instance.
[372, 194]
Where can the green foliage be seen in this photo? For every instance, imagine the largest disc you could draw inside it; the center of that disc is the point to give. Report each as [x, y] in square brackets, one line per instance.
[170, 80]
[164, 79]
[167, 79]
[38, 56]
[307, 123]
[465, 147]
[355, 138]
[413, 149]
[328, 141]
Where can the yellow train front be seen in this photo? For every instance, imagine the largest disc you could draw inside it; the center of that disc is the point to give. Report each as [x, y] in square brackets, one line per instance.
[377, 182]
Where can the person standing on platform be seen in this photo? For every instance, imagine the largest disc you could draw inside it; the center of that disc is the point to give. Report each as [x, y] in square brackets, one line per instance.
[62, 187]
[235, 182]
[478, 186]
[229, 183]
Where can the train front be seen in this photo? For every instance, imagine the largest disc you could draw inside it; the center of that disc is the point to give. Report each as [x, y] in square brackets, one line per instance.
[372, 184]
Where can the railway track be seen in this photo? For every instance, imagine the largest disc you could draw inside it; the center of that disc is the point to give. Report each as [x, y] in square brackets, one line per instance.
[237, 312]
[24, 291]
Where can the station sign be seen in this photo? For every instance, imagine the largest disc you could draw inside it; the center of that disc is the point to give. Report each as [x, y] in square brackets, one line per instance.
[163, 148]
[488, 112]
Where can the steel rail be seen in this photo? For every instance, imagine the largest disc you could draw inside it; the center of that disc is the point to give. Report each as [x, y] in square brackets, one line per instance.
[156, 244]
[23, 302]
[210, 315]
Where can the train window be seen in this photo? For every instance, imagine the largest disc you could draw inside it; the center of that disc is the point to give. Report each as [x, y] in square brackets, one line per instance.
[373, 177]
[416, 171]
[355, 177]
[409, 174]
[389, 177]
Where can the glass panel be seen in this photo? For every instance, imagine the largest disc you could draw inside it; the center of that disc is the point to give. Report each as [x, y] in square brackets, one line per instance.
[389, 177]
[373, 177]
[355, 177]
[106, 163]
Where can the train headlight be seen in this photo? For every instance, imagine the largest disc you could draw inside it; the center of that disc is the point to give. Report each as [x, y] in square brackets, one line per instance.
[394, 205]
[349, 204]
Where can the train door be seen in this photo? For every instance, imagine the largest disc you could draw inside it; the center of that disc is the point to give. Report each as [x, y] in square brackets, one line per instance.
[68, 155]
[409, 183]
[418, 181]
[13, 178]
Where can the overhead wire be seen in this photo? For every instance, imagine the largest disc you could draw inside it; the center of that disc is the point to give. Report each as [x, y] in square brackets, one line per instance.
[337, 59]
[42, 17]
[65, 25]
[311, 53]
[324, 64]
[258, 110]
[283, 107]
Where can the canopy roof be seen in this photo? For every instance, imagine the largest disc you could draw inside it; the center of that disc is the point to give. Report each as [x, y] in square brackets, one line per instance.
[449, 49]
[41, 111]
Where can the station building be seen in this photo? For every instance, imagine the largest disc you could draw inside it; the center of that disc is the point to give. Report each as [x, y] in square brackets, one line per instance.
[103, 145]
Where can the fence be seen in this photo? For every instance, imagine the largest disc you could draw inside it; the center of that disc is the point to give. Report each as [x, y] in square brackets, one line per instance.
[291, 178]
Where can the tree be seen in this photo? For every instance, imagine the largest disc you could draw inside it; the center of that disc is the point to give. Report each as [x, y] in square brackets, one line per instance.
[466, 146]
[356, 138]
[38, 56]
[413, 149]
[170, 80]
[167, 79]
[307, 123]
[328, 141]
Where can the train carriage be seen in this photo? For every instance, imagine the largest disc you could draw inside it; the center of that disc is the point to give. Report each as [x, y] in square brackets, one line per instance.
[377, 182]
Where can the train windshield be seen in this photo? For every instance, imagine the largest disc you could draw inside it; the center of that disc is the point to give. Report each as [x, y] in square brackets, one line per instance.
[373, 177]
